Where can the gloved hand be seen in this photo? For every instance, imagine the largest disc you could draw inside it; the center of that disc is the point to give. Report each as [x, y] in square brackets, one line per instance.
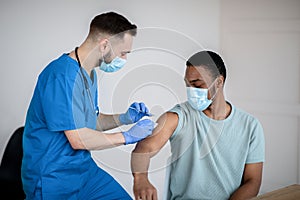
[135, 112]
[139, 131]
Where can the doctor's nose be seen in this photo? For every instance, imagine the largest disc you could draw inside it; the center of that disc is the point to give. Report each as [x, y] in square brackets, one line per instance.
[124, 56]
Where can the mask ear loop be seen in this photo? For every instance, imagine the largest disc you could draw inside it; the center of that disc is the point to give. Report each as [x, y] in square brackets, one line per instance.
[213, 134]
[102, 54]
[216, 90]
[109, 43]
[103, 59]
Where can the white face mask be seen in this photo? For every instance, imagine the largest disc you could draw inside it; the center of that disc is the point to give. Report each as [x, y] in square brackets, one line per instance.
[198, 97]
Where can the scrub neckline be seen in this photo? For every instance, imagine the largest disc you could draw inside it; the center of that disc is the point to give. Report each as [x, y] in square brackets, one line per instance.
[91, 81]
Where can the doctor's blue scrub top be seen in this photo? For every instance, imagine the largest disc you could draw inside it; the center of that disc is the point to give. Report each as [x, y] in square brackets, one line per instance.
[60, 102]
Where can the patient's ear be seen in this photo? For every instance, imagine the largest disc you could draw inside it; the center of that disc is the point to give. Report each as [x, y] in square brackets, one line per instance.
[220, 82]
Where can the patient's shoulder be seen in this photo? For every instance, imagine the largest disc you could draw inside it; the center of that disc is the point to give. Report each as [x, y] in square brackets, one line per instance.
[168, 121]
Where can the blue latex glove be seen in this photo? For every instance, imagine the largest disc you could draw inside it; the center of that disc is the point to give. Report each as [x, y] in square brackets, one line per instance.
[135, 112]
[139, 131]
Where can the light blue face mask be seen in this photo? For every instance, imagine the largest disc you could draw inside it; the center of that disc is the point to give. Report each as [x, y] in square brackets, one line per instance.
[115, 65]
[198, 97]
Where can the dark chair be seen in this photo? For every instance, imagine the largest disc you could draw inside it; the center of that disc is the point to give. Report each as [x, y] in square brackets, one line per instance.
[10, 169]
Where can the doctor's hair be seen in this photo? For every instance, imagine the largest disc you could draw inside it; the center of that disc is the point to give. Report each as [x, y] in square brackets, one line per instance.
[210, 61]
[111, 23]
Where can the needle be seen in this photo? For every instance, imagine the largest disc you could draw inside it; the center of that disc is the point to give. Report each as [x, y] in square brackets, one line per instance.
[148, 114]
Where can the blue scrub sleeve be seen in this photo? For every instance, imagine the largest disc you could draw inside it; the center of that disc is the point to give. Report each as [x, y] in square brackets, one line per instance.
[62, 104]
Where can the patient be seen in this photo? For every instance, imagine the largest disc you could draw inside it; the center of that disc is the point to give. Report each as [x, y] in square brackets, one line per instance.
[217, 148]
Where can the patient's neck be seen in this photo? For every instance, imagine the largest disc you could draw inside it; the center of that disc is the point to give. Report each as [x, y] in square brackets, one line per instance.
[219, 109]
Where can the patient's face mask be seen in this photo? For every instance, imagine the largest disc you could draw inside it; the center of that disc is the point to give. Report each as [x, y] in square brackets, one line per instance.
[198, 97]
[115, 65]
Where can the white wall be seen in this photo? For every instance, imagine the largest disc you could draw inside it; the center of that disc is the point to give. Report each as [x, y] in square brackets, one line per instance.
[260, 40]
[35, 32]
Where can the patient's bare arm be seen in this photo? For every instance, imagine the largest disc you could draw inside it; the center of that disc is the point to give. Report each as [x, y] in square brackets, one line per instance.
[144, 150]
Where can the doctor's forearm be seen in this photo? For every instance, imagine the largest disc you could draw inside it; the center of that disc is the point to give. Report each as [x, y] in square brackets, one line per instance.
[107, 122]
[90, 139]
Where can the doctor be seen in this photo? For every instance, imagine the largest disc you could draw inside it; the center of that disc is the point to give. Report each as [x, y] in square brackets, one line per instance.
[63, 121]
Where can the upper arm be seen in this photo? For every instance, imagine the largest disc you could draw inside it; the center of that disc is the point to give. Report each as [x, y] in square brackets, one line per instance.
[74, 139]
[62, 94]
[56, 97]
[167, 124]
[253, 173]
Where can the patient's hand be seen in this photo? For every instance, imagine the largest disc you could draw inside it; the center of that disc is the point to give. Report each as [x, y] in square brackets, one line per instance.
[143, 189]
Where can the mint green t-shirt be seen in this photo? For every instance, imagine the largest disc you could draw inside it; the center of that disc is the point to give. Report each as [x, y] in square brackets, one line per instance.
[209, 156]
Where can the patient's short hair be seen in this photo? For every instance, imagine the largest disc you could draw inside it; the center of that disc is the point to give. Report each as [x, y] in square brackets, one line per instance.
[209, 60]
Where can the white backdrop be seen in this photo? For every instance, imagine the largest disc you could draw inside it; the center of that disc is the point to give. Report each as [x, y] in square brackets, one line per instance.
[259, 41]
[35, 32]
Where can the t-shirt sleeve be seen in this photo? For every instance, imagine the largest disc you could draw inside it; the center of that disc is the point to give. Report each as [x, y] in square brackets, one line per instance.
[62, 105]
[257, 145]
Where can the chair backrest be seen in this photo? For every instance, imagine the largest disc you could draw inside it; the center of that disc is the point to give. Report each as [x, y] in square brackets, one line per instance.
[10, 169]
[13, 153]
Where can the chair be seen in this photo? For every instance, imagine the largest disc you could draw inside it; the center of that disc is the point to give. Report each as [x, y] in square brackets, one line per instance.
[10, 168]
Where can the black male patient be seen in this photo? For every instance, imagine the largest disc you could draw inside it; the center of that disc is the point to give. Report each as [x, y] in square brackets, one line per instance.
[217, 149]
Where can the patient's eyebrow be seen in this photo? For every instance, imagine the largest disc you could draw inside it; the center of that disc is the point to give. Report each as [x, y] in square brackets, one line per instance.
[194, 80]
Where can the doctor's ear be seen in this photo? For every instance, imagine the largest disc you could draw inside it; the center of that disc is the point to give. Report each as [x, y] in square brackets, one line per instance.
[103, 44]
